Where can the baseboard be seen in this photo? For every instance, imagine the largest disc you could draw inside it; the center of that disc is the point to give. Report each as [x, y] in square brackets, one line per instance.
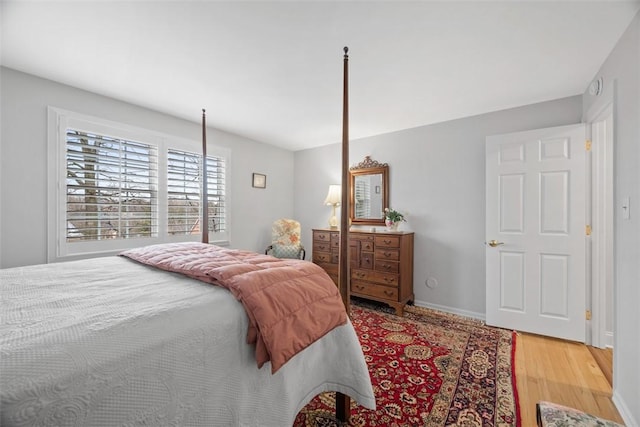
[624, 411]
[452, 310]
[608, 339]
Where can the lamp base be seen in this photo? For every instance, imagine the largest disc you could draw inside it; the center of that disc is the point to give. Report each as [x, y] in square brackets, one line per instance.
[333, 220]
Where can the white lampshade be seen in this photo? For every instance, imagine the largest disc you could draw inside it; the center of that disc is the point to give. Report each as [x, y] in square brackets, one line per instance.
[334, 197]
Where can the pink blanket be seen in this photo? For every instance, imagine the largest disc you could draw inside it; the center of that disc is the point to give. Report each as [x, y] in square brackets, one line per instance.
[290, 303]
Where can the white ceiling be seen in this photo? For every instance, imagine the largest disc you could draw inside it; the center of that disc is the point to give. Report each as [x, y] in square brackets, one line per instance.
[272, 71]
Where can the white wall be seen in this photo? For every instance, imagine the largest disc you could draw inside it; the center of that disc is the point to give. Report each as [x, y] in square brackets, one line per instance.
[23, 164]
[437, 175]
[621, 75]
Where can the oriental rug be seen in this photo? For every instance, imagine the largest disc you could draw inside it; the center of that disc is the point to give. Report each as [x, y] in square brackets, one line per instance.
[428, 368]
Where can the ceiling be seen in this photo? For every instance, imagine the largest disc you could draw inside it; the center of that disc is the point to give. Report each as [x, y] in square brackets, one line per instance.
[272, 71]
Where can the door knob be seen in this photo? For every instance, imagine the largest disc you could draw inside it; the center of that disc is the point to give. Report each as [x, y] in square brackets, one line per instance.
[494, 243]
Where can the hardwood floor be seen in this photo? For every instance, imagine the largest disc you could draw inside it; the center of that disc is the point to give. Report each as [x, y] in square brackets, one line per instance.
[562, 372]
[604, 359]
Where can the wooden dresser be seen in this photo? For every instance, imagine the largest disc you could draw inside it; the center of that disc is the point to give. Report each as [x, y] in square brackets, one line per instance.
[381, 263]
[326, 245]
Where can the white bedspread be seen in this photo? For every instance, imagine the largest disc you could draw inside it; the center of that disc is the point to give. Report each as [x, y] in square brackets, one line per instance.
[109, 342]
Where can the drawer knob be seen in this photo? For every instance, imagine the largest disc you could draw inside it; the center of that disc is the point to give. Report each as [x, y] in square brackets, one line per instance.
[387, 254]
[359, 287]
[387, 241]
[389, 279]
[389, 293]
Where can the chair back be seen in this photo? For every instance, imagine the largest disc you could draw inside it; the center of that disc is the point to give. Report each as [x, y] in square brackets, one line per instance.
[285, 239]
[285, 232]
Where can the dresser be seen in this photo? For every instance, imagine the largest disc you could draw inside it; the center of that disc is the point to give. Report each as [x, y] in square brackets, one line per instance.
[326, 246]
[381, 263]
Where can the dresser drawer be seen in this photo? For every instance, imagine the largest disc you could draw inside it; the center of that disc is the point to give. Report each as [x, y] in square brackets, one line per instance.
[322, 236]
[330, 268]
[323, 257]
[332, 271]
[334, 277]
[335, 240]
[321, 247]
[387, 266]
[366, 246]
[387, 254]
[387, 279]
[366, 260]
[371, 289]
[365, 242]
[387, 242]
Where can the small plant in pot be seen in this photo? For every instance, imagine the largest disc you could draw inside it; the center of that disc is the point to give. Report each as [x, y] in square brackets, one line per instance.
[392, 218]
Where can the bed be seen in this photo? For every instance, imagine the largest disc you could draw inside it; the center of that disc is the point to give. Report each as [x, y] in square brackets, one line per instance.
[115, 342]
[110, 341]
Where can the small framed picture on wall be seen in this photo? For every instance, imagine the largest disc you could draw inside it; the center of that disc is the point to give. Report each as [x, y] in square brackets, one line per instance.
[259, 180]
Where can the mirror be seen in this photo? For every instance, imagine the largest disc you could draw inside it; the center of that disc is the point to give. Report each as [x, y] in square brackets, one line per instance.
[369, 192]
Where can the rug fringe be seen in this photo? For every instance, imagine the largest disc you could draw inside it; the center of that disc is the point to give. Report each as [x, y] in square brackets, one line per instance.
[433, 312]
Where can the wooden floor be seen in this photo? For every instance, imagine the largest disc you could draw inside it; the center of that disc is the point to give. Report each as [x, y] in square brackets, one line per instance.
[604, 359]
[562, 372]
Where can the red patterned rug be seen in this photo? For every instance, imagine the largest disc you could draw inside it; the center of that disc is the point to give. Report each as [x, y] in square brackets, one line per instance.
[429, 368]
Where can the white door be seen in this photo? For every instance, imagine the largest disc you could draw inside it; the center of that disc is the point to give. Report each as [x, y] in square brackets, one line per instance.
[536, 231]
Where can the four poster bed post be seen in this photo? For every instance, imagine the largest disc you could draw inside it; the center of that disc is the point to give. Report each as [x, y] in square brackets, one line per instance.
[343, 402]
[205, 196]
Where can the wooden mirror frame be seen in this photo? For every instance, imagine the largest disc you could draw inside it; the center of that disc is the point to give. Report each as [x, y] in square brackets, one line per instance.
[368, 167]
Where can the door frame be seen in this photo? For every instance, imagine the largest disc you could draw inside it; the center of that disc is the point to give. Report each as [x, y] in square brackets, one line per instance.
[601, 219]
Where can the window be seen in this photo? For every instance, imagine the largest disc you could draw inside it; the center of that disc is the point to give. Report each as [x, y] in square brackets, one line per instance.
[110, 188]
[185, 187]
[113, 187]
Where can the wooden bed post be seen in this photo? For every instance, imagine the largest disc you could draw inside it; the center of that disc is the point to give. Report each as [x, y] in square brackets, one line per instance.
[204, 222]
[343, 402]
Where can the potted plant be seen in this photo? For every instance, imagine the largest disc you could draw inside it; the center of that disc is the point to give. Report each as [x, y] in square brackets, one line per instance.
[392, 219]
